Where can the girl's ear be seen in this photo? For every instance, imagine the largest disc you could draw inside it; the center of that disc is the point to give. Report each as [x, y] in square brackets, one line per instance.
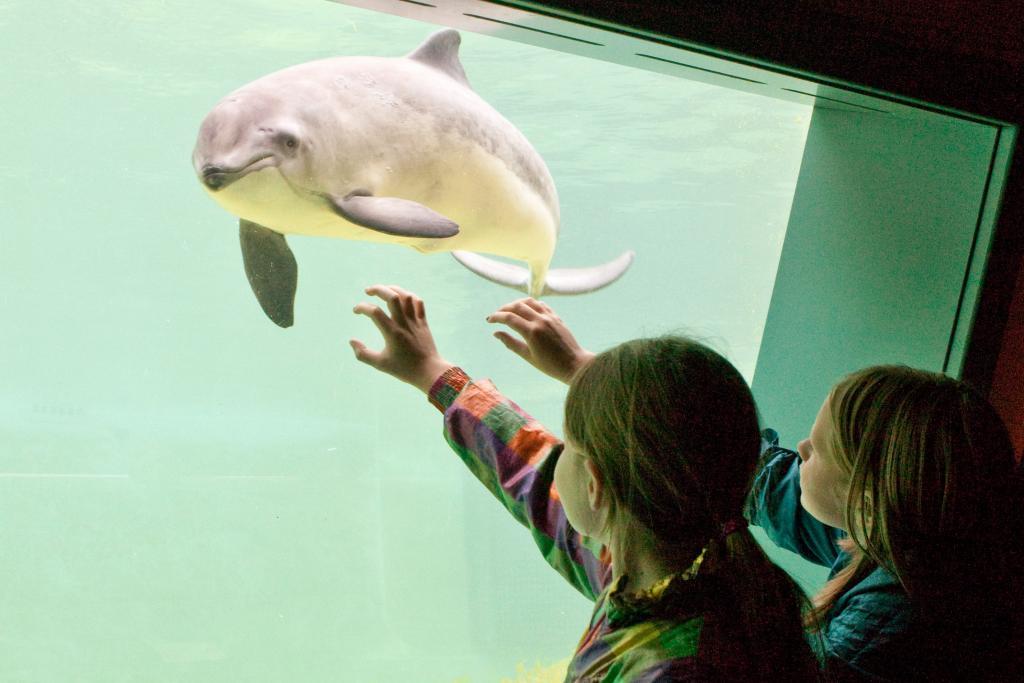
[595, 485]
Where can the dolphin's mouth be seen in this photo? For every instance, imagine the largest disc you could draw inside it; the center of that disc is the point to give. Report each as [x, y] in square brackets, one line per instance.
[216, 177]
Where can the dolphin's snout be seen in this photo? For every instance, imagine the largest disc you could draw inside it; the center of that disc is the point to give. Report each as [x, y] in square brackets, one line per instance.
[214, 177]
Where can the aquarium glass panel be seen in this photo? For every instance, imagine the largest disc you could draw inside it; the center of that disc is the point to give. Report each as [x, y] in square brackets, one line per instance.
[191, 493]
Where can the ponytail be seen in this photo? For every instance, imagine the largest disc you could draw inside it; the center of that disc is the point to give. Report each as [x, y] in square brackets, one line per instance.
[750, 608]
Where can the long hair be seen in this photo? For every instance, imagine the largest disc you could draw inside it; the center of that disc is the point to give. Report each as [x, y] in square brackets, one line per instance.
[674, 430]
[935, 499]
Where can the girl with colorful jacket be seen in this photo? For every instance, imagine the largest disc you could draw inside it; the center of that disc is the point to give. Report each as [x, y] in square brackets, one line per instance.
[641, 506]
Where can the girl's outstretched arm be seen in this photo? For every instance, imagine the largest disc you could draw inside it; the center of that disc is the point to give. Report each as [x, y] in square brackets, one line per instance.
[506, 449]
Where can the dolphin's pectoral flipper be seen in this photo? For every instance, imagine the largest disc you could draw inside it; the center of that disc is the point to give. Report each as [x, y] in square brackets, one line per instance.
[505, 274]
[393, 216]
[557, 281]
[271, 269]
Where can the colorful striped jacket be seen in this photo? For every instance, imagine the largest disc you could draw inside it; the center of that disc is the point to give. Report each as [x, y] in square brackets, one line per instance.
[514, 457]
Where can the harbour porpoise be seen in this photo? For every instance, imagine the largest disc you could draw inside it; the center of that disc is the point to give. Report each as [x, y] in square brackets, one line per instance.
[398, 150]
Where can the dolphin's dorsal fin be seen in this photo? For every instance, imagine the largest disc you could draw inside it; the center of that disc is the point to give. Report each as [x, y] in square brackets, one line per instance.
[441, 51]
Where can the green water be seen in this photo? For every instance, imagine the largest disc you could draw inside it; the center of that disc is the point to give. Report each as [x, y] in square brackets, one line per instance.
[189, 493]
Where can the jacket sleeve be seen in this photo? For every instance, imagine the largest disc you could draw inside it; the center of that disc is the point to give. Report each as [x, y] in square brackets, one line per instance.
[514, 457]
[774, 505]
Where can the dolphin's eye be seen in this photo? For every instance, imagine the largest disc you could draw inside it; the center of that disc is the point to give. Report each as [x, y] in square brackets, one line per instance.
[287, 140]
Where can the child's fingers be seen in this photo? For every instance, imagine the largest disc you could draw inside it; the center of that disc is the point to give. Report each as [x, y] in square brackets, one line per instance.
[393, 299]
[379, 317]
[365, 355]
[409, 301]
[511, 319]
[520, 307]
[538, 305]
[517, 346]
[383, 291]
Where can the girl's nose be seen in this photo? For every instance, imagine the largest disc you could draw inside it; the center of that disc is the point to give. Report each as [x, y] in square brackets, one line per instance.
[804, 449]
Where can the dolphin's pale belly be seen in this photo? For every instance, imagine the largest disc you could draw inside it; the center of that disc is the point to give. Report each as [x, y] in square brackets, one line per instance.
[495, 212]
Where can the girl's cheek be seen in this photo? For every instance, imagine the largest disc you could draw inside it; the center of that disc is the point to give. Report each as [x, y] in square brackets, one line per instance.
[842, 492]
[806, 474]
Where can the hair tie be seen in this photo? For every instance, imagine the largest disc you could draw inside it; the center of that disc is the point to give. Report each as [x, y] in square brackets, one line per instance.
[733, 525]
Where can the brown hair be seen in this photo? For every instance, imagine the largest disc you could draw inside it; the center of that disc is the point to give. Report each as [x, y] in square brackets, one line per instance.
[934, 498]
[673, 428]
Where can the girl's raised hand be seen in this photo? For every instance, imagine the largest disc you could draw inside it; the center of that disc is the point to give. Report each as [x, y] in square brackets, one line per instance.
[409, 353]
[547, 343]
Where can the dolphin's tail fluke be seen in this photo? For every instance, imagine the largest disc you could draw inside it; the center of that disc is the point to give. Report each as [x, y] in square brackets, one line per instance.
[583, 280]
[557, 281]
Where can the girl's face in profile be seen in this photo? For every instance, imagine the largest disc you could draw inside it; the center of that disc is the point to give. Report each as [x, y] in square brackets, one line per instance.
[823, 484]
